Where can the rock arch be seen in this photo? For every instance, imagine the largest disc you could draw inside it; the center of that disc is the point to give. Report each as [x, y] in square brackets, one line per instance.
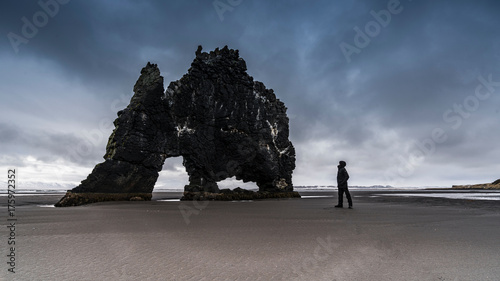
[221, 121]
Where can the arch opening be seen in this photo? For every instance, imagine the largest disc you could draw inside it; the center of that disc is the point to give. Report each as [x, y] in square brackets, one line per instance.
[232, 183]
[173, 176]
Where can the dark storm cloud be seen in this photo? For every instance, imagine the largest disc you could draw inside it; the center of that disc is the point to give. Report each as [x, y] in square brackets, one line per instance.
[105, 42]
[391, 94]
[426, 50]
[426, 59]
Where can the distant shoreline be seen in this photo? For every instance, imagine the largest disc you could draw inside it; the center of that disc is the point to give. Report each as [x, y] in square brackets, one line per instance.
[494, 185]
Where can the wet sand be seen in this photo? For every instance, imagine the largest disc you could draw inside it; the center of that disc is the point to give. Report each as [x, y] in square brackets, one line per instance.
[382, 238]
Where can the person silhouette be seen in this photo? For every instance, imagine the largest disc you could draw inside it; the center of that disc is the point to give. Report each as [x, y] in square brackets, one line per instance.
[342, 177]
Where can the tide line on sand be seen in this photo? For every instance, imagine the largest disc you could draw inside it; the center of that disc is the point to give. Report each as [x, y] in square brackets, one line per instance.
[469, 196]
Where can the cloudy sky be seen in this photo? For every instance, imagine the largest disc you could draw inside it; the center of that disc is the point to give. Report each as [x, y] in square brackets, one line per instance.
[407, 92]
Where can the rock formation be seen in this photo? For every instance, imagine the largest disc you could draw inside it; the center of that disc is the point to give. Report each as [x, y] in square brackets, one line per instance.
[221, 121]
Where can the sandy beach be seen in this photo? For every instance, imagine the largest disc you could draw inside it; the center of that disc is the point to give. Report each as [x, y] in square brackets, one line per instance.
[382, 238]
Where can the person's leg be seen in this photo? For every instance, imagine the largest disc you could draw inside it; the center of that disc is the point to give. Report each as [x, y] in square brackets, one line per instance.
[341, 197]
[348, 195]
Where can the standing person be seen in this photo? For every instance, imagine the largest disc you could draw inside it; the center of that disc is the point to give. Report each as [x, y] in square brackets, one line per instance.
[342, 177]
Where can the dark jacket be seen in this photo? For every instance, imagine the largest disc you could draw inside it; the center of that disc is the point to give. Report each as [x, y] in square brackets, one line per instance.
[342, 177]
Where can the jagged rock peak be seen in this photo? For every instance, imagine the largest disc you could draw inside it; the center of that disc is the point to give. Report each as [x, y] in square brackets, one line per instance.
[150, 81]
[220, 55]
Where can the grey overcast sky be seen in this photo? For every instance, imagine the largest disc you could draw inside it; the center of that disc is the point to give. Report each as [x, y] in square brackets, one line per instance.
[407, 92]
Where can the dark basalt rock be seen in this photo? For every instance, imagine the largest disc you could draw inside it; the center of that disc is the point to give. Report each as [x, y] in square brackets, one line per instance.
[76, 199]
[221, 121]
[231, 195]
